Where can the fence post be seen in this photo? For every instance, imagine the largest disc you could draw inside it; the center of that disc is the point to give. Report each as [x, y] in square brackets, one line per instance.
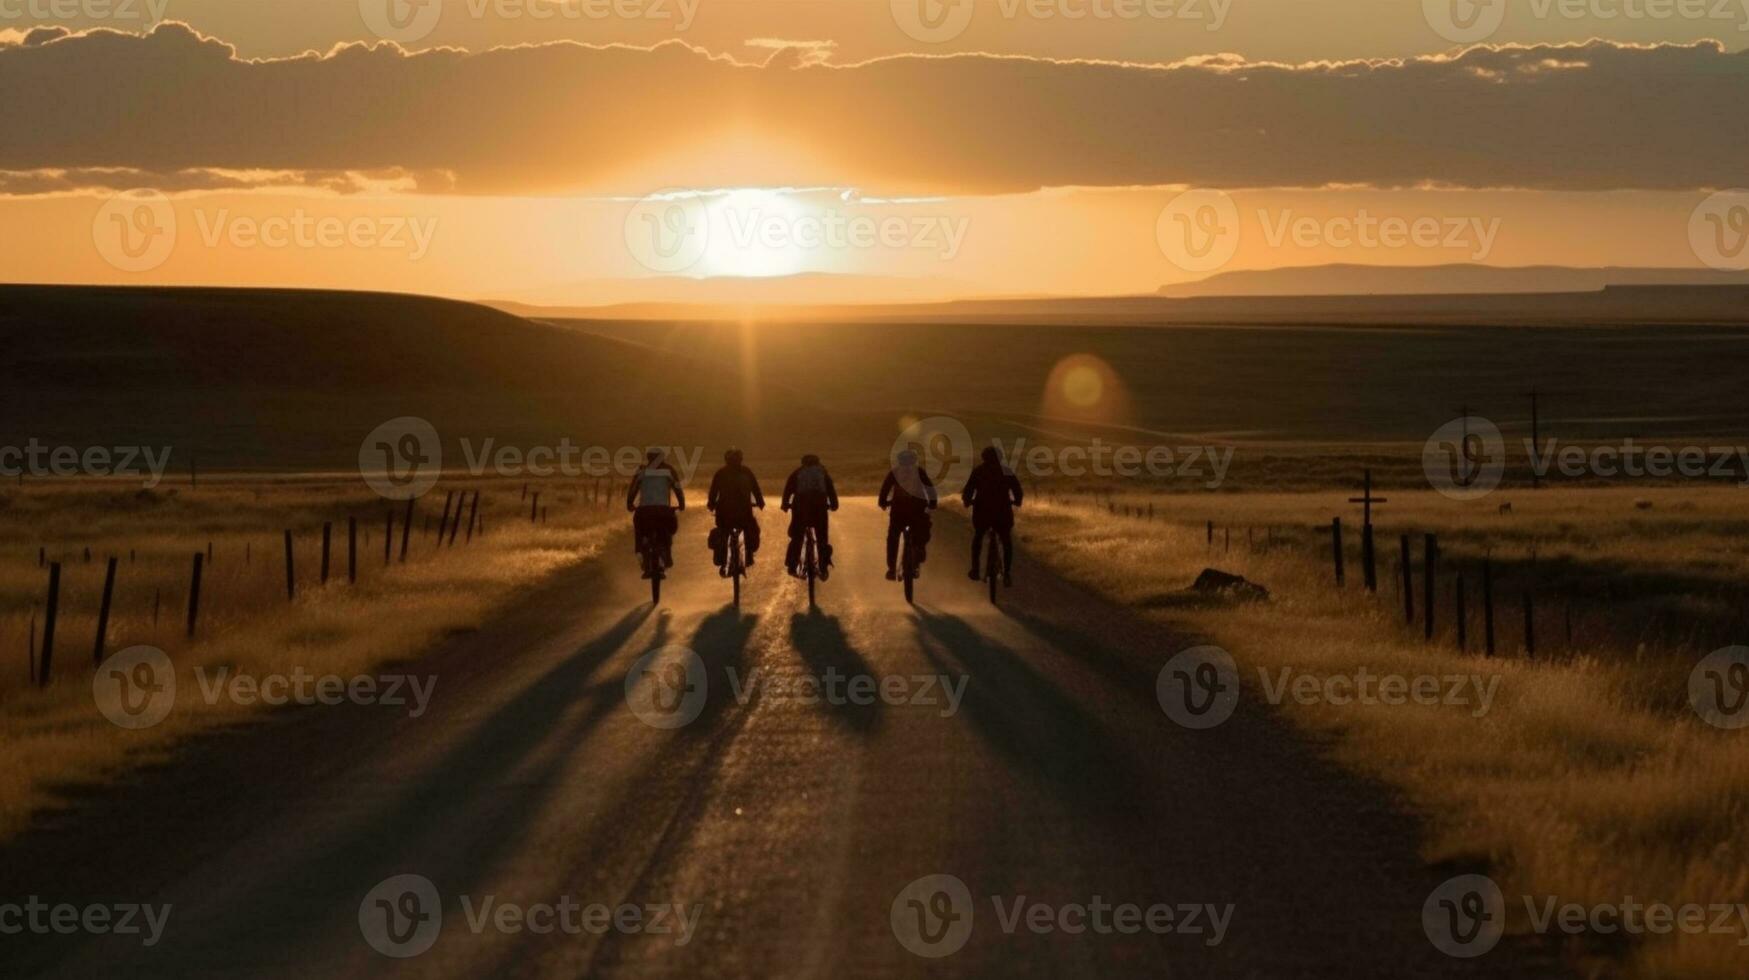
[1488, 605]
[47, 664]
[352, 551]
[1408, 583]
[103, 612]
[1368, 560]
[388, 536]
[1211, 535]
[1429, 581]
[406, 530]
[443, 522]
[291, 586]
[534, 508]
[327, 536]
[1336, 547]
[194, 595]
[473, 509]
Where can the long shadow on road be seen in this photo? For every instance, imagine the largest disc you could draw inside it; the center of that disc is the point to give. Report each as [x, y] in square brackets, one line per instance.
[832, 659]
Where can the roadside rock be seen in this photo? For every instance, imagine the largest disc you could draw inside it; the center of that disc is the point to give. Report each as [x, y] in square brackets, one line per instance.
[1216, 582]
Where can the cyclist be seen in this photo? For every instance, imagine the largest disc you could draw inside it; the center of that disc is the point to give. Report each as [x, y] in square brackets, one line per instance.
[907, 495]
[653, 518]
[809, 496]
[734, 495]
[993, 492]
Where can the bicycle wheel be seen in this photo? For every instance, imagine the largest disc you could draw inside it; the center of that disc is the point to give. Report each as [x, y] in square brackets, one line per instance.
[908, 571]
[656, 588]
[993, 564]
[737, 567]
[811, 567]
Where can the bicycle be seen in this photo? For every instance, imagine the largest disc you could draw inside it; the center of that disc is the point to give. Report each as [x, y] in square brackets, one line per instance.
[650, 552]
[735, 565]
[908, 566]
[993, 565]
[810, 563]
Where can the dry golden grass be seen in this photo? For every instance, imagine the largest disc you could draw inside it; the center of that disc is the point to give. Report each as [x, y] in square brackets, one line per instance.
[1589, 778]
[58, 736]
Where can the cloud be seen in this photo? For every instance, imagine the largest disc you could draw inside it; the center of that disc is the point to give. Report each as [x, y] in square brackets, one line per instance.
[571, 117]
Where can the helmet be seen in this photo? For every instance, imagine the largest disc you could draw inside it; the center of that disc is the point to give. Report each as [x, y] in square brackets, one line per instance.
[810, 460]
[653, 456]
[733, 456]
[907, 458]
[990, 455]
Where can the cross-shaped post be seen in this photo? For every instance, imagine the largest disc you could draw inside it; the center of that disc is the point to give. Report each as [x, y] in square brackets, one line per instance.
[1368, 565]
[1366, 499]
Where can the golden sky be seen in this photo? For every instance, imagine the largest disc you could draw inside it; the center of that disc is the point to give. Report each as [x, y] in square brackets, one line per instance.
[563, 150]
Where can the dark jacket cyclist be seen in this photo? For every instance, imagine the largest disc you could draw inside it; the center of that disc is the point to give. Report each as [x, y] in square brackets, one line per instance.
[907, 495]
[734, 495]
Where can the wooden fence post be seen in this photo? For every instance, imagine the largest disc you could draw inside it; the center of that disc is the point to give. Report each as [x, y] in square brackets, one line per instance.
[103, 612]
[443, 522]
[534, 508]
[327, 538]
[46, 666]
[455, 523]
[388, 536]
[1368, 559]
[352, 551]
[473, 509]
[406, 530]
[1336, 548]
[1430, 581]
[1408, 583]
[291, 582]
[194, 595]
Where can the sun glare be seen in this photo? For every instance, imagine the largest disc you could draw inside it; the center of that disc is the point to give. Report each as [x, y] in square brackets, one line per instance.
[756, 233]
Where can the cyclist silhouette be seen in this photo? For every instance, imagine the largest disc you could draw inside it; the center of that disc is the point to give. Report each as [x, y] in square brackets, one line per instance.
[653, 517]
[907, 495]
[993, 492]
[809, 496]
[733, 497]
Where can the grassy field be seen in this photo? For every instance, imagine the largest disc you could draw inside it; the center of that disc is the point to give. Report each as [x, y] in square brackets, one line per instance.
[1587, 776]
[57, 738]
